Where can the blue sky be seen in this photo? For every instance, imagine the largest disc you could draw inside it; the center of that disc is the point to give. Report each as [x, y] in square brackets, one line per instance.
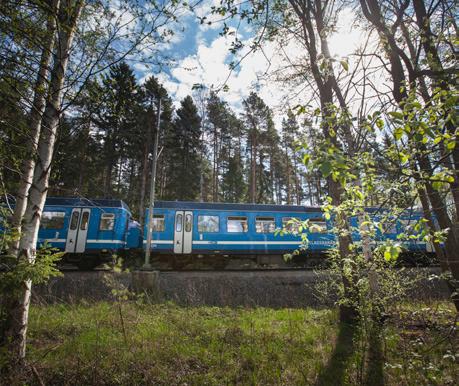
[201, 55]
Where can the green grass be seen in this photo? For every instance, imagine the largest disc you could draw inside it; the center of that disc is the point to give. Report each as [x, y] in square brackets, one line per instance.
[129, 343]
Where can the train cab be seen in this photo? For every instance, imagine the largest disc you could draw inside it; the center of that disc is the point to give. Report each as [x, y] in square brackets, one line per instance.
[88, 231]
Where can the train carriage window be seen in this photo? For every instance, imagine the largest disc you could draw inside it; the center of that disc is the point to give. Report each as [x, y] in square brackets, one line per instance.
[84, 221]
[407, 226]
[178, 223]
[208, 224]
[107, 222]
[390, 227]
[158, 223]
[265, 225]
[317, 225]
[291, 224]
[52, 220]
[188, 223]
[237, 224]
[74, 220]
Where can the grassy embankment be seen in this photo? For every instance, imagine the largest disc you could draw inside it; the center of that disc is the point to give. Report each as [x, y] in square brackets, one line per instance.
[129, 343]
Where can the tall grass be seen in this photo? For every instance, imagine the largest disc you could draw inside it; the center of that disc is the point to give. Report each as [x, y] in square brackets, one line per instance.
[129, 343]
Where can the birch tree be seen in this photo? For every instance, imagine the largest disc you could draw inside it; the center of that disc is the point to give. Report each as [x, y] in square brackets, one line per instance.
[67, 19]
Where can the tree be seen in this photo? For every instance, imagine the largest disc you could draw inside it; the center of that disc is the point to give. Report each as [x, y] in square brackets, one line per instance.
[233, 183]
[415, 118]
[257, 118]
[186, 144]
[69, 13]
[290, 136]
[89, 33]
[154, 91]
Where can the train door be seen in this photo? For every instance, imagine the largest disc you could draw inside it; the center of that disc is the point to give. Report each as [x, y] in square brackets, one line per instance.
[78, 230]
[183, 232]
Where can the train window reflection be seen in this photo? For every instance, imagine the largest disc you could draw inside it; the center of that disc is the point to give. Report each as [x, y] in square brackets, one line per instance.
[237, 224]
[52, 220]
[407, 226]
[158, 223]
[74, 220]
[317, 225]
[107, 222]
[208, 224]
[178, 223]
[84, 221]
[265, 225]
[391, 227]
[291, 224]
[188, 223]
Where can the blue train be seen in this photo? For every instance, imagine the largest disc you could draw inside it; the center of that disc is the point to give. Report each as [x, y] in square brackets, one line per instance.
[91, 231]
[189, 228]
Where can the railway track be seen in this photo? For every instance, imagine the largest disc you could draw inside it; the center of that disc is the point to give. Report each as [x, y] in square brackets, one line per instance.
[74, 269]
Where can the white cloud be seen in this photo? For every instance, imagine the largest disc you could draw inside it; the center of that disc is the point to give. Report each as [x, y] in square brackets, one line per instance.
[209, 66]
[348, 36]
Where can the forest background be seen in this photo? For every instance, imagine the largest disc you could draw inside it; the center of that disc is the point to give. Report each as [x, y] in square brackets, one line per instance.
[375, 128]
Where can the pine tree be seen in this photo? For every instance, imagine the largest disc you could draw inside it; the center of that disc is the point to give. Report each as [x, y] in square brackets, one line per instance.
[185, 161]
[290, 133]
[233, 186]
[257, 118]
[153, 92]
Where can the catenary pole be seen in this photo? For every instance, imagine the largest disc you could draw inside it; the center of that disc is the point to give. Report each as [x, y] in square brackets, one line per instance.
[148, 247]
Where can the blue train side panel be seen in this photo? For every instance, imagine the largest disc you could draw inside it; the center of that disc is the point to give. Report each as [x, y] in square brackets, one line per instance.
[251, 240]
[77, 225]
[221, 241]
[134, 235]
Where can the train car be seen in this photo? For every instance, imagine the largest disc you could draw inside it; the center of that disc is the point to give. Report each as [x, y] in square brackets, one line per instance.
[189, 228]
[88, 231]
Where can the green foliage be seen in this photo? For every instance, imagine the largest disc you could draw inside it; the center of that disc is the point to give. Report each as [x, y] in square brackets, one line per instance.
[366, 278]
[167, 344]
[17, 271]
[186, 146]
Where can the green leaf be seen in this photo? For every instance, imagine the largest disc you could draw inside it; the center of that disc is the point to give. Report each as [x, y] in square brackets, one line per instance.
[396, 114]
[398, 133]
[403, 158]
[391, 252]
[437, 140]
[326, 168]
[451, 145]
[437, 185]
[345, 65]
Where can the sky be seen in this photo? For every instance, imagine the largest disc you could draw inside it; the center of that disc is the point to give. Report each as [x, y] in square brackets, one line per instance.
[201, 56]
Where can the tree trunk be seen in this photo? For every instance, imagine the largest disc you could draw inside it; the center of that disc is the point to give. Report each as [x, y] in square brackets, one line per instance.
[83, 156]
[35, 119]
[311, 15]
[296, 179]
[289, 198]
[18, 315]
[372, 12]
[215, 168]
[145, 170]
[253, 169]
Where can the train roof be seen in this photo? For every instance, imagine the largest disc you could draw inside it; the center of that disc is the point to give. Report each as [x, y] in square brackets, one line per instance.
[256, 207]
[81, 201]
[235, 206]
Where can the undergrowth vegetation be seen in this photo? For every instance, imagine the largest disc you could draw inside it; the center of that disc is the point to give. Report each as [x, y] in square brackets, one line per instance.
[136, 343]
